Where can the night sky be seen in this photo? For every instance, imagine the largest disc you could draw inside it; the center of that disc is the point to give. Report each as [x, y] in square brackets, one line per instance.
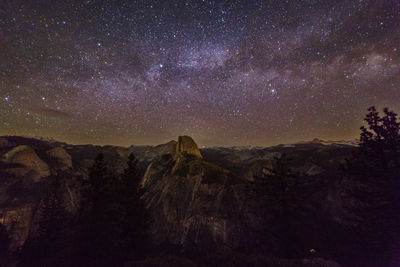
[224, 72]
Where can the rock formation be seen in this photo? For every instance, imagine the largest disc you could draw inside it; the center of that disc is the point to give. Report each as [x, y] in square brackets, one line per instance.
[63, 158]
[187, 146]
[28, 159]
[193, 202]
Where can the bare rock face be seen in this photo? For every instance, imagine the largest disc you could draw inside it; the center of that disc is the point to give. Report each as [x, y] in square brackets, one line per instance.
[166, 148]
[314, 170]
[148, 153]
[122, 152]
[29, 161]
[194, 202]
[18, 219]
[186, 145]
[63, 158]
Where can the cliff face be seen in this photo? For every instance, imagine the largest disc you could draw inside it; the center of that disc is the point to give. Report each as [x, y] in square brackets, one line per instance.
[26, 162]
[63, 159]
[27, 165]
[195, 203]
[25, 168]
[207, 199]
[186, 146]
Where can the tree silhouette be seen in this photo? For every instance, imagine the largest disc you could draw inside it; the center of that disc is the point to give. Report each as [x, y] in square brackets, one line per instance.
[283, 178]
[112, 221]
[277, 190]
[99, 217]
[131, 175]
[43, 245]
[4, 244]
[136, 221]
[379, 151]
[374, 170]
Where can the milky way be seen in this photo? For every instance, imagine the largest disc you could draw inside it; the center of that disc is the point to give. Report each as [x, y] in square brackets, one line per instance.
[224, 72]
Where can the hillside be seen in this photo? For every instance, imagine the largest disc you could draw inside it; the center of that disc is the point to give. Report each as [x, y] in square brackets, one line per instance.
[198, 198]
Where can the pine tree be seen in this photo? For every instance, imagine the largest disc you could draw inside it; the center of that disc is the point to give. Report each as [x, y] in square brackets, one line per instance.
[282, 180]
[136, 221]
[45, 243]
[286, 196]
[276, 189]
[100, 216]
[379, 151]
[113, 223]
[4, 244]
[374, 171]
[131, 175]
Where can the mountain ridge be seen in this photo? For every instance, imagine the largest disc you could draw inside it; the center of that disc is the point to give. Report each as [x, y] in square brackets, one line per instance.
[197, 201]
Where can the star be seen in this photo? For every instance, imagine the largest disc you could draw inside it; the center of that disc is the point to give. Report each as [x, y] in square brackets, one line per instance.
[224, 73]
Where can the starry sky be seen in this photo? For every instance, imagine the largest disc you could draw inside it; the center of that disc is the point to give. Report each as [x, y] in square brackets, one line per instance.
[224, 72]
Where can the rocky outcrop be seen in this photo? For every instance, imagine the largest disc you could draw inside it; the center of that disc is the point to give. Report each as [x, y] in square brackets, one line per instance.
[203, 200]
[194, 202]
[148, 153]
[19, 220]
[187, 146]
[314, 170]
[62, 157]
[29, 162]
[122, 152]
[27, 166]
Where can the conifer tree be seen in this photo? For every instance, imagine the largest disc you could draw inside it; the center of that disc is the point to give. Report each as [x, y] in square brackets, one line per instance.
[100, 217]
[136, 222]
[47, 241]
[280, 181]
[112, 220]
[4, 244]
[374, 171]
[286, 195]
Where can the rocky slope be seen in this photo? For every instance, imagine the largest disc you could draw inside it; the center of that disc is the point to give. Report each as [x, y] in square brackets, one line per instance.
[198, 198]
[191, 199]
[26, 166]
[27, 163]
[202, 198]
